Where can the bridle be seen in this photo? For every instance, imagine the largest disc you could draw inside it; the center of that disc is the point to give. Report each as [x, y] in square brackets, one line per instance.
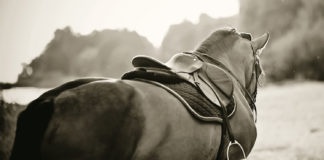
[256, 72]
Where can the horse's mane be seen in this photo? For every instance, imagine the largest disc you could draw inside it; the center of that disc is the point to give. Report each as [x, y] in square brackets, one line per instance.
[219, 41]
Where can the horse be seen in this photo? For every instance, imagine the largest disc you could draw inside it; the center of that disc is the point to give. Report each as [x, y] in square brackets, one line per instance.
[106, 118]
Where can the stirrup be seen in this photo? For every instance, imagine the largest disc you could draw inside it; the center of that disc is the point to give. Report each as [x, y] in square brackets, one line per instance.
[240, 146]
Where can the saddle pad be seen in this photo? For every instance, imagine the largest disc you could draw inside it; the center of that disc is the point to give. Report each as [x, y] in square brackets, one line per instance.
[198, 103]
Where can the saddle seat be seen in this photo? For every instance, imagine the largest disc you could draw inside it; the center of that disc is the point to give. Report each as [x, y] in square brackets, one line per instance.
[179, 63]
[211, 80]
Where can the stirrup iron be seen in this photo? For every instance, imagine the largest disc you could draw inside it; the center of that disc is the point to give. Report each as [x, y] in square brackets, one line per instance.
[239, 145]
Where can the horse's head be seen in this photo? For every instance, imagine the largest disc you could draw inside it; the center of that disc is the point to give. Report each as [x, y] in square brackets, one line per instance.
[239, 53]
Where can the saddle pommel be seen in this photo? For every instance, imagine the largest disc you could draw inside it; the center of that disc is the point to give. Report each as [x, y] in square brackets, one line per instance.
[184, 63]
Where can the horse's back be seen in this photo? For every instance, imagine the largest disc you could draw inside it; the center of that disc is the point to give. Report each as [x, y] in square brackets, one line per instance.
[99, 120]
[119, 120]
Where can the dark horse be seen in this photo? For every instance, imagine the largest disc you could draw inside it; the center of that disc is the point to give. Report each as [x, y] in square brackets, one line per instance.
[100, 118]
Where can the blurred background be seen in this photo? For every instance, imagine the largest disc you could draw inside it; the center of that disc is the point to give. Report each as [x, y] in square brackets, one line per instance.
[45, 43]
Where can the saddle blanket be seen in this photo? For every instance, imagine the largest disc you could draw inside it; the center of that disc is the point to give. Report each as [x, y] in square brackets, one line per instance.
[198, 105]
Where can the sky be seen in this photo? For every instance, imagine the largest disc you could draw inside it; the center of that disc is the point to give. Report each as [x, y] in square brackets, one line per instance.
[26, 26]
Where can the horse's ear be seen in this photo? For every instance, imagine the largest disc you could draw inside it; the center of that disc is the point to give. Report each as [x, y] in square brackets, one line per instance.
[260, 42]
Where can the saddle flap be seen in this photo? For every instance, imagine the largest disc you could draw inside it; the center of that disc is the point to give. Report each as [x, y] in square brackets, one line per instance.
[215, 84]
[207, 90]
[220, 78]
[148, 62]
[184, 63]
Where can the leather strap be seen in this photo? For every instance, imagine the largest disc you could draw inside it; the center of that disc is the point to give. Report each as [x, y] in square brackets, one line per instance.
[251, 99]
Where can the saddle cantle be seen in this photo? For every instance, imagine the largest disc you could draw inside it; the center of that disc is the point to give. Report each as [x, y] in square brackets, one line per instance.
[212, 81]
[179, 63]
[148, 62]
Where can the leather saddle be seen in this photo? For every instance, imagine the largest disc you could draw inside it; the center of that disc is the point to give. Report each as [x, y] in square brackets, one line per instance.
[213, 81]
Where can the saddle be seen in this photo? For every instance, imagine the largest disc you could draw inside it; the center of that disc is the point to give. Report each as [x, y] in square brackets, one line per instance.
[210, 79]
[213, 82]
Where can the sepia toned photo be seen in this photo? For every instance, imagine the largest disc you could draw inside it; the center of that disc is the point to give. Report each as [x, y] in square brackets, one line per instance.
[161, 80]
